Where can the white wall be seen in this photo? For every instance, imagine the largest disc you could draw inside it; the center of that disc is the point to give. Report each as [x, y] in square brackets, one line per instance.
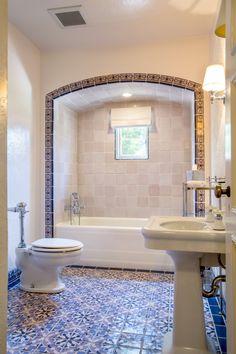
[217, 114]
[23, 136]
[186, 58]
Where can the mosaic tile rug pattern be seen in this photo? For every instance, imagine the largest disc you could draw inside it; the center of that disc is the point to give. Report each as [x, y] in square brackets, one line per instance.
[101, 311]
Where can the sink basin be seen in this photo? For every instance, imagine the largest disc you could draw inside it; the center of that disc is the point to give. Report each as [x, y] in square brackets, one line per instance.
[183, 225]
[183, 234]
[186, 240]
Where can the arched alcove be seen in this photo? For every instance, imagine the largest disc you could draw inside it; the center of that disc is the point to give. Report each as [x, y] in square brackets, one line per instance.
[196, 88]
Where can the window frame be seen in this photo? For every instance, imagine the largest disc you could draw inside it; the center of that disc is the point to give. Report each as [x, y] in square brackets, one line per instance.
[119, 156]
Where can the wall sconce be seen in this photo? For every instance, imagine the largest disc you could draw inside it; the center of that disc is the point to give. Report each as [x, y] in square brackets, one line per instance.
[214, 82]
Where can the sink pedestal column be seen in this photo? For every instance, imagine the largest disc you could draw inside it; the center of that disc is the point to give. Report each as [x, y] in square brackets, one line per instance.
[189, 335]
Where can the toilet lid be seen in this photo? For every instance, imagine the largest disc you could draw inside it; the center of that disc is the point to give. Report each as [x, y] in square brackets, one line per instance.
[56, 245]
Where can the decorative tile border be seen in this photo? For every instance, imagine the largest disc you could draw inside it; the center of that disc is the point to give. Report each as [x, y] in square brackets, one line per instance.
[195, 87]
[122, 269]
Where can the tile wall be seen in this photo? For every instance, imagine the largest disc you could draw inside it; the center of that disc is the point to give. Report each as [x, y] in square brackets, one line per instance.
[65, 158]
[141, 188]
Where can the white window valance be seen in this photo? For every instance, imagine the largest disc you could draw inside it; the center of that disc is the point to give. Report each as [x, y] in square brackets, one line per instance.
[130, 117]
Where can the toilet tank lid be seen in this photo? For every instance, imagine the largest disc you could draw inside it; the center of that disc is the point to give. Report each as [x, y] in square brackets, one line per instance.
[57, 243]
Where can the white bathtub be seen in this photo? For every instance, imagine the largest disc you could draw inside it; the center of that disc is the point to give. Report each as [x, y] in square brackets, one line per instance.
[114, 242]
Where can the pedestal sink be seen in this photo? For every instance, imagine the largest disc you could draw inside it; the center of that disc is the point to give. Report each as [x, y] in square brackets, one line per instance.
[186, 240]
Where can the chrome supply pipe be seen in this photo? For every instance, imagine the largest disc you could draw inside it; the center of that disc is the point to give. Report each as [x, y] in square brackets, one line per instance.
[214, 286]
[21, 209]
[220, 261]
[216, 283]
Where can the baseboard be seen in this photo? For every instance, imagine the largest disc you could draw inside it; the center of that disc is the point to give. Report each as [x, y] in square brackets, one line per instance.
[13, 277]
[123, 269]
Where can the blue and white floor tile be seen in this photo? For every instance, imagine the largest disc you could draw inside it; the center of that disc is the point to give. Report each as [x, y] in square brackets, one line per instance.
[101, 311]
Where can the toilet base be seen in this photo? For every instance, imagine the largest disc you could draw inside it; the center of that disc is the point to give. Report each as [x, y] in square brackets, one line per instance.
[40, 270]
[53, 290]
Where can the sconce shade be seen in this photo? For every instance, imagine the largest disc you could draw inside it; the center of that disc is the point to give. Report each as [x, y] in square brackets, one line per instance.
[214, 79]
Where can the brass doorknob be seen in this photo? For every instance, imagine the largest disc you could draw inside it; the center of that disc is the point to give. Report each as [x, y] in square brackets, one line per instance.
[219, 191]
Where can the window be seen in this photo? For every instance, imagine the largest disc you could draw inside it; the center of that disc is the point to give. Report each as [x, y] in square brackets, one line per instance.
[132, 143]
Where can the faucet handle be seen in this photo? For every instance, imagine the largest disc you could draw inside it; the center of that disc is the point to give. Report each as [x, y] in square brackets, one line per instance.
[210, 217]
[210, 208]
[219, 225]
[219, 213]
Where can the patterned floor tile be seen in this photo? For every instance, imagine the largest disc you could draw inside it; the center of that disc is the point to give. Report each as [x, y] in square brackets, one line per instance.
[101, 311]
[127, 350]
[153, 342]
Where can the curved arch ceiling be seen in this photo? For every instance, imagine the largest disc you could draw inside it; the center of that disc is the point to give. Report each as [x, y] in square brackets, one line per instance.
[111, 93]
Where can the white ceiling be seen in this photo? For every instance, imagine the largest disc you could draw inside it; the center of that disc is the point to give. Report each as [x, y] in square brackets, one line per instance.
[113, 23]
[98, 96]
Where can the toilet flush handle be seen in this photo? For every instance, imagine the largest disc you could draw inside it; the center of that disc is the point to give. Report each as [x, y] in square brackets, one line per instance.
[21, 209]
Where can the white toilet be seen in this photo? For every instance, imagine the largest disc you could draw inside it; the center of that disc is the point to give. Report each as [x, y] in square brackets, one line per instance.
[41, 262]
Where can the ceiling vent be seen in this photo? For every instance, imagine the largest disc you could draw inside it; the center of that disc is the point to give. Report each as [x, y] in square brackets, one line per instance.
[68, 16]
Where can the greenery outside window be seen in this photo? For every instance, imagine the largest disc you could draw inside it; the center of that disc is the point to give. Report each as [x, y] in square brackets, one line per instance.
[132, 143]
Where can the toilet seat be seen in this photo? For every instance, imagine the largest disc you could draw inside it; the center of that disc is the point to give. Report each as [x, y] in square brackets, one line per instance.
[56, 245]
